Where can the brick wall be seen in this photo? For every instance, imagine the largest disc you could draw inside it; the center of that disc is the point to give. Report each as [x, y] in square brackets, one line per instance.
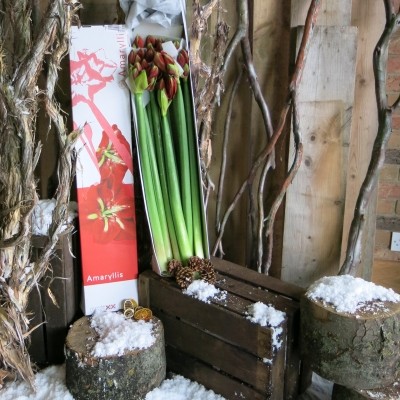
[388, 208]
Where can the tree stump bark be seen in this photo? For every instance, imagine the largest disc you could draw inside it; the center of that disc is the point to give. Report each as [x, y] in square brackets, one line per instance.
[388, 393]
[130, 376]
[360, 350]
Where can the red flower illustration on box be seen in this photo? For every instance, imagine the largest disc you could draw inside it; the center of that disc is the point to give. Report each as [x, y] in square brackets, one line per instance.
[90, 73]
[111, 165]
[108, 212]
[108, 208]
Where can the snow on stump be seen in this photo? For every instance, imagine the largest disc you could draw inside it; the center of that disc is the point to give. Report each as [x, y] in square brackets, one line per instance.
[391, 392]
[350, 332]
[110, 357]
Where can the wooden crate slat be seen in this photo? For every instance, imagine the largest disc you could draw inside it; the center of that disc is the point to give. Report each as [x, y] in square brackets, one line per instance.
[223, 384]
[218, 321]
[216, 352]
[255, 294]
[257, 279]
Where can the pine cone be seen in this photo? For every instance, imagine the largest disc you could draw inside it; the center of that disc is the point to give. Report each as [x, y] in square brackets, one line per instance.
[184, 277]
[195, 263]
[207, 273]
[174, 266]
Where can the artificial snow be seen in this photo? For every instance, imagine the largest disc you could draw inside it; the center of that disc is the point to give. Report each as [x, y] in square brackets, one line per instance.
[180, 388]
[267, 315]
[204, 291]
[43, 214]
[118, 334]
[348, 294]
[50, 385]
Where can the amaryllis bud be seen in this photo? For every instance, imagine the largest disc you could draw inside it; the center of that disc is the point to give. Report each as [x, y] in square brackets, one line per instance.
[144, 64]
[183, 61]
[132, 57]
[158, 45]
[138, 43]
[150, 40]
[171, 86]
[183, 58]
[160, 62]
[152, 76]
[150, 52]
[136, 56]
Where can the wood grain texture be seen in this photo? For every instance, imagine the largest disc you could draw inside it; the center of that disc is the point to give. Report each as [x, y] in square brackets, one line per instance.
[223, 335]
[333, 12]
[315, 200]
[314, 211]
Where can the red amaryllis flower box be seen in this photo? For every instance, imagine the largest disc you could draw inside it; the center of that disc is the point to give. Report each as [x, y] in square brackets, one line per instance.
[100, 106]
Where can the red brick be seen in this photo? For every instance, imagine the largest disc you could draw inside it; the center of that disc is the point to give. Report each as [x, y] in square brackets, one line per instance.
[389, 191]
[386, 207]
[389, 173]
[393, 65]
[394, 140]
[394, 47]
[393, 83]
[382, 238]
[396, 121]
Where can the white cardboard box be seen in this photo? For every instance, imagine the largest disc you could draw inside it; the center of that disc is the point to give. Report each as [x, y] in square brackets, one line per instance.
[106, 209]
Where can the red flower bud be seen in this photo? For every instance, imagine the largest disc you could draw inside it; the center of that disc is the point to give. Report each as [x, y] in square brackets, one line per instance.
[171, 86]
[138, 43]
[160, 62]
[150, 40]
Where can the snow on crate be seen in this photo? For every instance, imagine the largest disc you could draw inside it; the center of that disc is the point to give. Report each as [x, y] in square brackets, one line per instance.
[348, 294]
[204, 291]
[267, 315]
[118, 334]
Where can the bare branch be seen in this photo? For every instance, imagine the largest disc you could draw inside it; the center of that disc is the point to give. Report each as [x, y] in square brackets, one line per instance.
[296, 78]
[353, 251]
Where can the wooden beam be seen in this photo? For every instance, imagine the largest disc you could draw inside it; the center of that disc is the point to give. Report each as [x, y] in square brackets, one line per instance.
[315, 200]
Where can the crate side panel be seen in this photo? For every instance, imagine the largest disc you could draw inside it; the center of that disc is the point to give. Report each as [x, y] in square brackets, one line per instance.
[209, 377]
[213, 351]
[235, 329]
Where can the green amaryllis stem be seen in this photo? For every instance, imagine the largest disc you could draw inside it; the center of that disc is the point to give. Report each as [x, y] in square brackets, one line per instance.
[152, 210]
[155, 118]
[181, 139]
[200, 248]
[185, 247]
[157, 188]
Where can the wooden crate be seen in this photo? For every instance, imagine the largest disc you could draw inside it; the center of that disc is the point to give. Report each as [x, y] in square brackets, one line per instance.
[215, 345]
[53, 320]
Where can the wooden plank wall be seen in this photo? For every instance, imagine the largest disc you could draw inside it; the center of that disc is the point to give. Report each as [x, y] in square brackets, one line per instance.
[316, 228]
[316, 199]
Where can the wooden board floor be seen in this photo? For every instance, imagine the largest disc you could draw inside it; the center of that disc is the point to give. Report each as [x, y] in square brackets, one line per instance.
[387, 274]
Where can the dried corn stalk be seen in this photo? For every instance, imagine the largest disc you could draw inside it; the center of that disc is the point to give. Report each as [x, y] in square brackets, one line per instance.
[23, 55]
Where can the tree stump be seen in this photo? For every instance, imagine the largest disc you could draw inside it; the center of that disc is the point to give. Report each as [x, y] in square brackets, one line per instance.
[130, 376]
[388, 393]
[359, 350]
